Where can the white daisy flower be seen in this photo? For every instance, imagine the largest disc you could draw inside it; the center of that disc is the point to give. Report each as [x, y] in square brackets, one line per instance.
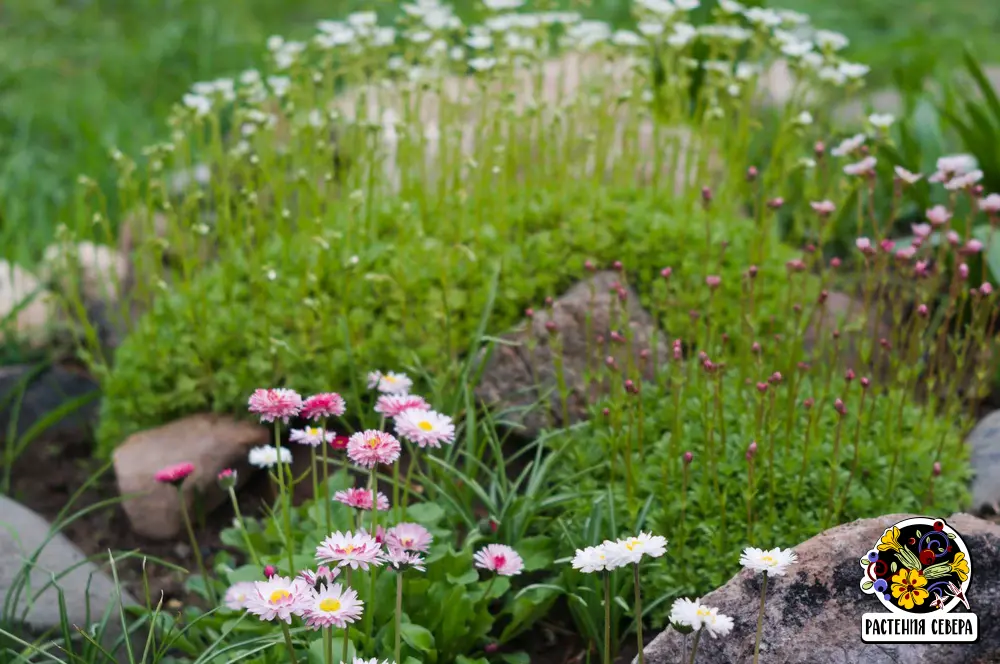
[482, 64]
[591, 559]
[631, 550]
[828, 39]
[849, 145]
[686, 613]
[881, 120]
[425, 427]
[312, 436]
[266, 456]
[863, 167]
[774, 562]
[716, 623]
[278, 597]
[390, 383]
[906, 176]
[502, 5]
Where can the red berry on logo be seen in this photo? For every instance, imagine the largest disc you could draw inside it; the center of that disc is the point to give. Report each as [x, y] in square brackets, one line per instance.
[926, 557]
[938, 526]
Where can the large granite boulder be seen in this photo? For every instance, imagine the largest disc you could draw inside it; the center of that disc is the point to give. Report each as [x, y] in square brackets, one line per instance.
[984, 442]
[813, 613]
[522, 371]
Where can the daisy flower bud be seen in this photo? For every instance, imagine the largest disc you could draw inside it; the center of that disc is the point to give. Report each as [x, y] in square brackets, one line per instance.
[808, 403]
[773, 563]
[275, 404]
[986, 288]
[666, 272]
[752, 173]
[762, 387]
[269, 571]
[849, 375]
[713, 281]
[617, 265]
[323, 405]
[752, 271]
[923, 311]
[751, 450]
[834, 262]
[589, 266]
[227, 479]
[529, 312]
[370, 448]
[963, 271]
[865, 382]
[550, 326]
[839, 406]
[823, 208]
[776, 203]
[500, 559]
[339, 442]
[425, 427]
[175, 474]
[936, 468]
[688, 458]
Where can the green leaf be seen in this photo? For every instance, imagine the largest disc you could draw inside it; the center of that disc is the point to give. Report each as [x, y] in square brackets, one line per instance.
[866, 562]
[519, 657]
[867, 585]
[426, 514]
[246, 573]
[893, 567]
[526, 610]
[417, 637]
[537, 552]
[465, 660]
[470, 576]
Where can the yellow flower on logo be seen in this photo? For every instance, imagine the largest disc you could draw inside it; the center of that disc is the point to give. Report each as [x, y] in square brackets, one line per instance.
[908, 588]
[960, 566]
[890, 540]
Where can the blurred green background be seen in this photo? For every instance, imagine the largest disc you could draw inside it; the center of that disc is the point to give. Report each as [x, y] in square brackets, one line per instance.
[78, 77]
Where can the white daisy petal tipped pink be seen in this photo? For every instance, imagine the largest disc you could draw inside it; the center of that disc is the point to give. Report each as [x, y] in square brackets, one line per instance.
[399, 558]
[361, 499]
[370, 448]
[426, 428]
[238, 594]
[354, 550]
[332, 606]
[773, 562]
[275, 404]
[499, 558]
[312, 436]
[409, 537]
[390, 382]
[278, 597]
[631, 550]
[392, 405]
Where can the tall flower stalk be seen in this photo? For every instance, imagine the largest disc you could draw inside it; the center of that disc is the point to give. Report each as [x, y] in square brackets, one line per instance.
[774, 562]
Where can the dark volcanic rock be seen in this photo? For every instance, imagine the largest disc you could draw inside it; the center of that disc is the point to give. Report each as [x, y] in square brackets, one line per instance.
[521, 377]
[813, 614]
[45, 391]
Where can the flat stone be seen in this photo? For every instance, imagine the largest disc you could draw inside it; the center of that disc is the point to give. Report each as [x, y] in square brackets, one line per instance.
[522, 371]
[45, 392]
[36, 308]
[813, 614]
[96, 272]
[22, 532]
[211, 442]
[984, 442]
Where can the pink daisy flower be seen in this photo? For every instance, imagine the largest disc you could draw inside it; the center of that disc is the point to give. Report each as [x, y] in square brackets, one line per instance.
[399, 558]
[361, 499]
[392, 405]
[237, 595]
[499, 558]
[175, 474]
[322, 575]
[425, 427]
[278, 597]
[409, 537]
[370, 448]
[324, 405]
[332, 606]
[354, 550]
[275, 404]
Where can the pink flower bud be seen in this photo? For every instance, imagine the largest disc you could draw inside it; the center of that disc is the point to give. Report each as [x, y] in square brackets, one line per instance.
[775, 378]
[688, 457]
[752, 174]
[936, 469]
[849, 375]
[606, 412]
[819, 149]
[865, 382]
[922, 311]
[644, 354]
[269, 571]
[963, 271]
[491, 648]
[752, 271]
[834, 262]
[706, 195]
[953, 238]
[973, 247]
[589, 266]
[762, 387]
[755, 347]
[548, 301]
[986, 288]
[227, 478]
[776, 203]
[808, 403]
[839, 406]
[550, 325]
[529, 312]
[617, 265]
[666, 272]
[751, 450]
[713, 281]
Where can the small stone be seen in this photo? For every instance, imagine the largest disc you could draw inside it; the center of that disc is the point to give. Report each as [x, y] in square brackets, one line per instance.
[813, 614]
[97, 270]
[43, 393]
[210, 442]
[984, 442]
[519, 372]
[22, 532]
[36, 307]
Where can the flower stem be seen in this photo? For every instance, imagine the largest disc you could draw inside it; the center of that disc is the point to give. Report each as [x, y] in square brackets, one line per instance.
[370, 613]
[288, 642]
[607, 616]
[314, 472]
[246, 535]
[286, 506]
[194, 547]
[328, 645]
[489, 587]
[760, 619]
[326, 485]
[638, 612]
[399, 614]
[694, 646]
[343, 657]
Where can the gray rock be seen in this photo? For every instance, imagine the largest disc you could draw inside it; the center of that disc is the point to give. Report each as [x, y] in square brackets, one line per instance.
[985, 443]
[44, 392]
[87, 591]
[521, 372]
[813, 614]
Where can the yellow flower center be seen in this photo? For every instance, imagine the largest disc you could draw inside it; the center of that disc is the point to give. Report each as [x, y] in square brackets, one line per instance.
[373, 443]
[702, 611]
[312, 431]
[406, 542]
[389, 379]
[425, 425]
[329, 605]
[349, 548]
[769, 560]
[279, 595]
[631, 544]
